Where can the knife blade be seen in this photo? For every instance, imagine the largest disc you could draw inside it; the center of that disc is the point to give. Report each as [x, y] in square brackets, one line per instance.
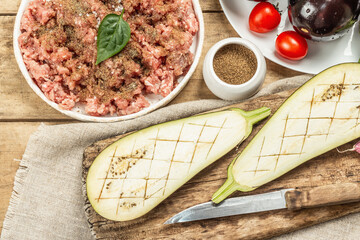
[291, 199]
[233, 206]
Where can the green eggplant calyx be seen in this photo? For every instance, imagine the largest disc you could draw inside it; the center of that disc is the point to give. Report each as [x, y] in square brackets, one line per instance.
[229, 187]
[257, 115]
[347, 25]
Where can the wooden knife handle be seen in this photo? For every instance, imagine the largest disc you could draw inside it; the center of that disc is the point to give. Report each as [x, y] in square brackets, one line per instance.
[323, 196]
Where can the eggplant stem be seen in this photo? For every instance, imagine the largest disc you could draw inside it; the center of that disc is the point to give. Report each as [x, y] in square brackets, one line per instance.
[229, 187]
[257, 115]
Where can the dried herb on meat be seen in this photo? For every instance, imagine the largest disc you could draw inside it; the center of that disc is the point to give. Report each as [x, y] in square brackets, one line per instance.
[113, 35]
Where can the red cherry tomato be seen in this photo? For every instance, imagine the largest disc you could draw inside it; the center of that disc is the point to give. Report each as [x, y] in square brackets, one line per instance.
[264, 18]
[291, 45]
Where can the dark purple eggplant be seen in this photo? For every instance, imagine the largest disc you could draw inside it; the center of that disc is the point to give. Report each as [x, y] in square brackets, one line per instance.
[323, 20]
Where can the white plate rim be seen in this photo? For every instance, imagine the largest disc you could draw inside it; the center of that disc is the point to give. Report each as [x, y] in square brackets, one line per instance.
[83, 117]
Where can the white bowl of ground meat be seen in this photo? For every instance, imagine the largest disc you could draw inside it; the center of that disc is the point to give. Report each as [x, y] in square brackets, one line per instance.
[55, 47]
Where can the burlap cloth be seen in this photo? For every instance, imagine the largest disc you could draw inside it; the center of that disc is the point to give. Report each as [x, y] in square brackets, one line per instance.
[47, 201]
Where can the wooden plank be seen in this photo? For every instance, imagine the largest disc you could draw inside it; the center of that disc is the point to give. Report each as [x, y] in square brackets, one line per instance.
[11, 7]
[25, 104]
[13, 140]
[328, 168]
[210, 5]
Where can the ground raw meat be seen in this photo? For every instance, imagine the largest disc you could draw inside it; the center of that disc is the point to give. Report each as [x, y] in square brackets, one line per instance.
[58, 44]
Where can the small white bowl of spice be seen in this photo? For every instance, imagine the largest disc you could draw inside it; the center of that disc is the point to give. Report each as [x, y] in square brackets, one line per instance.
[234, 69]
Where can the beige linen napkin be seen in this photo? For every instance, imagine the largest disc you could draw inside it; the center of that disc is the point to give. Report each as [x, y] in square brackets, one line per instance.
[47, 201]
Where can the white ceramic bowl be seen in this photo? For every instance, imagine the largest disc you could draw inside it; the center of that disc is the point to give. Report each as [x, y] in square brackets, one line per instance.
[229, 91]
[78, 112]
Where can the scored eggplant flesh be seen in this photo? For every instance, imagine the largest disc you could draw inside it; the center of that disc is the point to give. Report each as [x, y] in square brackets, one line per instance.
[137, 172]
[322, 115]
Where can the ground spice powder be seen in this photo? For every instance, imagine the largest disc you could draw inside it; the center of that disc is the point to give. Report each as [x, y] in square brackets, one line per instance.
[235, 64]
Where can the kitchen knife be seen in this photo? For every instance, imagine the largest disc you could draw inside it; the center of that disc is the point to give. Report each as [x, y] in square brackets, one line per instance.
[292, 199]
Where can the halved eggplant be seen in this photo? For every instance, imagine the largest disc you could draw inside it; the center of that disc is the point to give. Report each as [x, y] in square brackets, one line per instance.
[321, 115]
[137, 172]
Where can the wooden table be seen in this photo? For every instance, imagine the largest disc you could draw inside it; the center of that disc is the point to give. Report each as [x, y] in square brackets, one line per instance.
[21, 110]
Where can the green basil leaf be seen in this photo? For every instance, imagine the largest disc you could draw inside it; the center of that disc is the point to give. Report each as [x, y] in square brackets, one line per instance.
[113, 35]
